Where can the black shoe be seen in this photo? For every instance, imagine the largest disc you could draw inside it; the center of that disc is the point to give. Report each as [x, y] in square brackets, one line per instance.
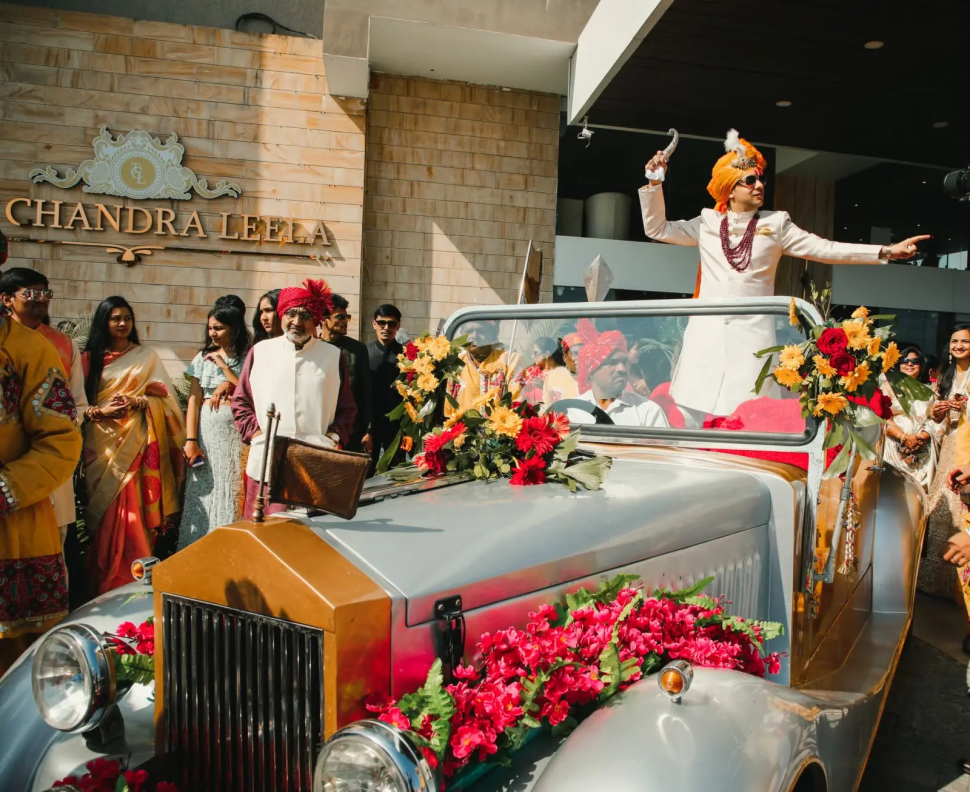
[966, 644]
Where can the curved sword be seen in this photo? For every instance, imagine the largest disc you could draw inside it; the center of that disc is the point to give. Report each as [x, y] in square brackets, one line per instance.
[658, 174]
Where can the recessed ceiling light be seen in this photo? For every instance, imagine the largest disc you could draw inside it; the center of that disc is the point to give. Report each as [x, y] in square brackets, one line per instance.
[857, 205]
[924, 182]
[941, 124]
[783, 103]
[871, 45]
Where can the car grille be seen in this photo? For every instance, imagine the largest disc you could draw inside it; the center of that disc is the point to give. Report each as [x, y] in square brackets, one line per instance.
[243, 698]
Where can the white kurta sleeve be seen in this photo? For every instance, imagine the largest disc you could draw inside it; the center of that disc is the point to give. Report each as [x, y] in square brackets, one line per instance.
[77, 381]
[802, 244]
[657, 226]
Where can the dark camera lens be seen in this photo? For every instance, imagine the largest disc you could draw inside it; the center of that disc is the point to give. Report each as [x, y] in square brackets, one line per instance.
[957, 183]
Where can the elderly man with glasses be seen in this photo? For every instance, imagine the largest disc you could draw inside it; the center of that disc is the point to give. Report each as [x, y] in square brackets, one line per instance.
[304, 377]
[740, 246]
[355, 353]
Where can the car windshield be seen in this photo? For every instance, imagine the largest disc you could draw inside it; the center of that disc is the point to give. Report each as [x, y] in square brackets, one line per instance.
[642, 368]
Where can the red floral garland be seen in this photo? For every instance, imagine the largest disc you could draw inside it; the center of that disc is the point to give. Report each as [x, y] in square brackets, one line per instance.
[104, 775]
[565, 662]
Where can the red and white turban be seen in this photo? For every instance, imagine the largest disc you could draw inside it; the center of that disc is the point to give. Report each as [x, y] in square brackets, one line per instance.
[313, 295]
[596, 348]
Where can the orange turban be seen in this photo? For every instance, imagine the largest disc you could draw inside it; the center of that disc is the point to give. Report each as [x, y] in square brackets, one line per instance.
[597, 347]
[741, 158]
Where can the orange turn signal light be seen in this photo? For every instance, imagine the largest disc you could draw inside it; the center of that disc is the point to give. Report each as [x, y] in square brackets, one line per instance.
[141, 569]
[675, 679]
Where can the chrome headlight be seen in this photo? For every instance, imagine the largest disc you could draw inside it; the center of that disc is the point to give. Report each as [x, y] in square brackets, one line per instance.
[372, 756]
[73, 678]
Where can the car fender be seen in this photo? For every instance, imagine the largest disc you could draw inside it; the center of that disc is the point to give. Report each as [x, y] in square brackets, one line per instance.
[731, 732]
[32, 754]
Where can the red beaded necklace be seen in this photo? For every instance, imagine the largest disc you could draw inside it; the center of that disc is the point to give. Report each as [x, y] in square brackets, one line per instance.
[739, 257]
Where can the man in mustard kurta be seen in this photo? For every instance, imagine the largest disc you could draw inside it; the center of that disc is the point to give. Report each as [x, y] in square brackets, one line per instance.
[39, 448]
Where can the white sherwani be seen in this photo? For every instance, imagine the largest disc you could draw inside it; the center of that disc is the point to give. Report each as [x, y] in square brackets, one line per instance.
[717, 369]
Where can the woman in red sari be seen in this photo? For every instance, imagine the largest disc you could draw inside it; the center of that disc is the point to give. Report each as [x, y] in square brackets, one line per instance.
[133, 438]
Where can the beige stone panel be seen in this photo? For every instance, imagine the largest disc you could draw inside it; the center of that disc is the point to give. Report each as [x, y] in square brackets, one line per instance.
[287, 81]
[174, 50]
[116, 45]
[28, 15]
[48, 95]
[152, 67]
[46, 37]
[63, 58]
[95, 23]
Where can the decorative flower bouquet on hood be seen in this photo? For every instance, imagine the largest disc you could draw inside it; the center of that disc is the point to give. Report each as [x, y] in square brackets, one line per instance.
[837, 373]
[495, 437]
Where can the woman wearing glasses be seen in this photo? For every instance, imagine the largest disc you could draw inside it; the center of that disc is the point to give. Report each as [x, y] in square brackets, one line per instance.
[937, 577]
[912, 436]
[133, 437]
[740, 246]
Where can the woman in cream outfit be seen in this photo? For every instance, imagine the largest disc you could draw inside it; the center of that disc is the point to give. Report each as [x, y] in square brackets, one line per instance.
[740, 247]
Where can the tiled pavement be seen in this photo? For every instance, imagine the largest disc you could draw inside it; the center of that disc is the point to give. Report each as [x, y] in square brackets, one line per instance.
[925, 727]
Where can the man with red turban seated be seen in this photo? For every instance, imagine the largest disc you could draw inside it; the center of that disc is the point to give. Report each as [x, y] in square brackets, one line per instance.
[602, 376]
[305, 378]
[740, 246]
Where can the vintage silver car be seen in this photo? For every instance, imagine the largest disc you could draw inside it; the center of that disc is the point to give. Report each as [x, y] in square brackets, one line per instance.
[270, 635]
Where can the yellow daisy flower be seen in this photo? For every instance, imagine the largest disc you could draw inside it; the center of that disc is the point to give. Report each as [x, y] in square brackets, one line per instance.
[423, 365]
[861, 313]
[874, 346]
[792, 314]
[890, 356]
[823, 367]
[505, 422]
[857, 332]
[416, 394]
[428, 383]
[455, 418]
[486, 398]
[787, 377]
[832, 403]
[459, 441]
[856, 377]
[439, 347]
[791, 357]
[422, 344]
[412, 413]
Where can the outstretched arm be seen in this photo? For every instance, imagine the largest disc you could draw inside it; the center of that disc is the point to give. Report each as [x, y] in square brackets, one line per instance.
[654, 211]
[801, 244]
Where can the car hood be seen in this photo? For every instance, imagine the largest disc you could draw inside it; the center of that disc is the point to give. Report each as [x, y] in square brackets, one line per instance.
[490, 542]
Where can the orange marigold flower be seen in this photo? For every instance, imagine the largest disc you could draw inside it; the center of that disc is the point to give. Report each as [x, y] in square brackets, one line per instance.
[789, 378]
[791, 357]
[890, 356]
[832, 403]
[873, 348]
[857, 334]
[856, 377]
[822, 366]
[406, 443]
[504, 421]
[793, 313]
[861, 313]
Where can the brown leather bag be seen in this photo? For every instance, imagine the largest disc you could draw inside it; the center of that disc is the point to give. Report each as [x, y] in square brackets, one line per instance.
[318, 478]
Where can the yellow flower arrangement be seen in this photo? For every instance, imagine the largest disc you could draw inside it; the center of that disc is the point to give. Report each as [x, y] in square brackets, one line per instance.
[504, 421]
[792, 313]
[832, 403]
[427, 382]
[873, 348]
[422, 344]
[856, 377]
[890, 356]
[438, 347]
[791, 358]
[857, 333]
[862, 313]
[787, 377]
[423, 365]
[822, 366]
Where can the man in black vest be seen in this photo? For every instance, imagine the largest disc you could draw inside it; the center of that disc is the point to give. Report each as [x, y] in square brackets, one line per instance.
[383, 370]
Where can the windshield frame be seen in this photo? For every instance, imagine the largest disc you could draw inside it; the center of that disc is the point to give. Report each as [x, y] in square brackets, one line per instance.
[691, 438]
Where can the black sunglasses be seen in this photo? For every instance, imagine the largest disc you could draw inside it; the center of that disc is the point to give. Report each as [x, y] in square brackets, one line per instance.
[752, 179]
[386, 322]
[341, 317]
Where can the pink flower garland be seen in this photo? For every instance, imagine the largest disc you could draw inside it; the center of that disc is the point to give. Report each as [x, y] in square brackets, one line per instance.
[540, 676]
[103, 776]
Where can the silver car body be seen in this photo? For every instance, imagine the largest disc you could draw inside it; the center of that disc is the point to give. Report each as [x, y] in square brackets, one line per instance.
[667, 513]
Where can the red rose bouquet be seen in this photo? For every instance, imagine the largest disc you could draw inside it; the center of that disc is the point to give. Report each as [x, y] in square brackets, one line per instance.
[837, 372]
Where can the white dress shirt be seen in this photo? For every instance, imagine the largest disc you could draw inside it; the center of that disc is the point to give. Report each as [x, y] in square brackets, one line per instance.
[628, 409]
[717, 369]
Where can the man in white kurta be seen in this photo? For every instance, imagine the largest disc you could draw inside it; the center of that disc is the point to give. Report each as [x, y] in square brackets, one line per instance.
[716, 370]
[305, 378]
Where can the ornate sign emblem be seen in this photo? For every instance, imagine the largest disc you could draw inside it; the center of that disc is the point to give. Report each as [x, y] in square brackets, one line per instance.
[138, 166]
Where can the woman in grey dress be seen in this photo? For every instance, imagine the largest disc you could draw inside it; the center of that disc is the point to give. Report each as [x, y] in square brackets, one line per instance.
[213, 445]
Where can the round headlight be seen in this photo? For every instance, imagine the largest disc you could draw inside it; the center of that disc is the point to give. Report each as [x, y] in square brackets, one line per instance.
[73, 678]
[372, 756]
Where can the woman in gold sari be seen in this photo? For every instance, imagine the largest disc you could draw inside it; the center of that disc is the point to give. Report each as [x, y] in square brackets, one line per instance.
[133, 442]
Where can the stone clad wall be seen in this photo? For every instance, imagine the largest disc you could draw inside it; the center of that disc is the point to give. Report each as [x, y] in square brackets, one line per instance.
[459, 179]
[252, 109]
